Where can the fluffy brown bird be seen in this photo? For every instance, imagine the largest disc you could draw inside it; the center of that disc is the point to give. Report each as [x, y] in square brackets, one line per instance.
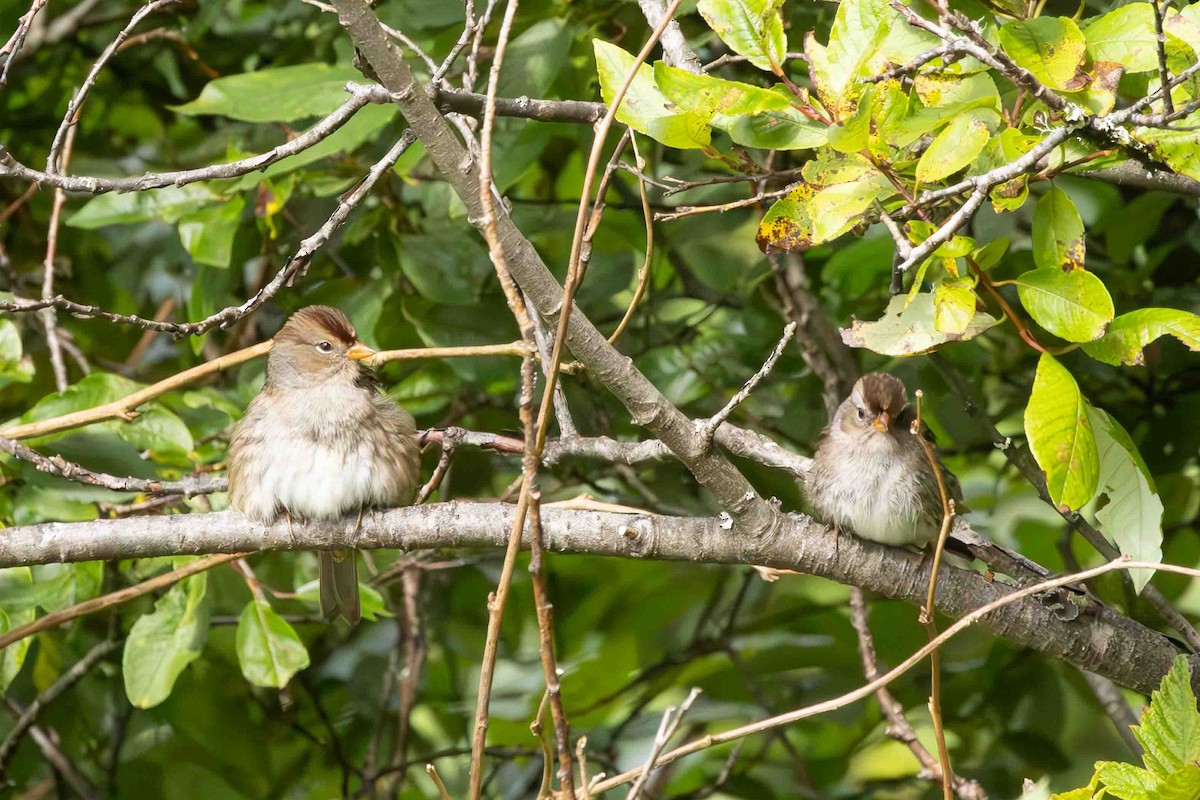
[321, 441]
[870, 474]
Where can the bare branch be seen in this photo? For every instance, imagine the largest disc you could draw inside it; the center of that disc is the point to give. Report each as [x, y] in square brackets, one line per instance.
[1099, 640]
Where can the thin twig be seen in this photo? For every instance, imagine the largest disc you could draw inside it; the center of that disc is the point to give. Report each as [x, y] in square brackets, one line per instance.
[709, 428]
[927, 613]
[48, 315]
[866, 690]
[52, 692]
[666, 729]
[56, 618]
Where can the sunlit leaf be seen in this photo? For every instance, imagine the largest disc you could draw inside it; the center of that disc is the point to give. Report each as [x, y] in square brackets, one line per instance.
[644, 108]
[953, 306]
[706, 95]
[1060, 435]
[1072, 305]
[1125, 35]
[1170, 729]
[207, 234]
[907, 328]
[1058, 236]
[1052, 48]
[954, 148]
[750, 28]
[1128, 334]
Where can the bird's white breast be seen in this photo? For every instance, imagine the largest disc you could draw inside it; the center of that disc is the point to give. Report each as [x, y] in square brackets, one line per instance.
[871, 491]
[314, 458]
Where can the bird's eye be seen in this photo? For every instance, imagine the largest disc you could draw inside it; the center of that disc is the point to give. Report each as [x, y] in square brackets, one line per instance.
[325, 347]
[862, 413]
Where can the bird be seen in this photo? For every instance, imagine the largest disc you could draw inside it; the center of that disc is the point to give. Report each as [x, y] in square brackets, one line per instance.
[870, 473]
[320, 441]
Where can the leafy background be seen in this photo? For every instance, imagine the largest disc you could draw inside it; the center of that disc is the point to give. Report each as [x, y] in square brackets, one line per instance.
[195, 708]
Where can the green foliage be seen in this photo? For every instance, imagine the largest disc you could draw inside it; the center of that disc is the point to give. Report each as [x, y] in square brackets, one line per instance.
[163, 643]
[243, 699]
[1170, 737]
[269, 651]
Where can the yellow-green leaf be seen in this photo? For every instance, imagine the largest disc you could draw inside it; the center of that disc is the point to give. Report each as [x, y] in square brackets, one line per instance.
[751, 28]
[952, 149]
[1057, 232]
[907, 328]
[1060, 435]
[1129, 334]
[1052, 48]
[1072, 305]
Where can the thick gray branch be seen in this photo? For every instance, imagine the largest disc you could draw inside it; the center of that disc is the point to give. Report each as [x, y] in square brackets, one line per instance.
[1099, 639]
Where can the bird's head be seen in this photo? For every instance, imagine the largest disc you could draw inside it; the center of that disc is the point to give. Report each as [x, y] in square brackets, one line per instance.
[318, 345]
[874, 405]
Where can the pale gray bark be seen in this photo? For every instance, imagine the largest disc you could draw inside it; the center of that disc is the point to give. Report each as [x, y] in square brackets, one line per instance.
[1099, 639]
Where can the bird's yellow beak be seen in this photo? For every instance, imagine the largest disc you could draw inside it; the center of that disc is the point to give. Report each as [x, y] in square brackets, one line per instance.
[883, 423]
[359, 352]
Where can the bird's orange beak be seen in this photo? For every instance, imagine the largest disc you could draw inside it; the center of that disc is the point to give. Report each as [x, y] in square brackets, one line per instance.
[359, 352]
[883, 423]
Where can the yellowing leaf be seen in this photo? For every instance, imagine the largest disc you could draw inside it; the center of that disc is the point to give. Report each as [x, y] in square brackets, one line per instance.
[751, 28]
[1052, 48]
[952, 149]
[907, 328]
[1057, 232]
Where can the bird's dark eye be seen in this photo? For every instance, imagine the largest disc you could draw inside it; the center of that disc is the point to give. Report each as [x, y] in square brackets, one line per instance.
[862, 413]
[325, 347]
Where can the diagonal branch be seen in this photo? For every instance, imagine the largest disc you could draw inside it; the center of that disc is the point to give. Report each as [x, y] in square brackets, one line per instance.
[646, 404]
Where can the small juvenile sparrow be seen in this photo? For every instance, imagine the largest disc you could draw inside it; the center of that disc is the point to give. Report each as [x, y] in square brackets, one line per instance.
[870, 474]
[321, 441]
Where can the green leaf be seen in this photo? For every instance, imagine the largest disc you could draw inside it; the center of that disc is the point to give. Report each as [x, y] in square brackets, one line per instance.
[15, 367]
[645, 108]
[1183, 784]
[1072, 305]
[1060, 435]
[161, 644]
[1052, 48]
[786, 129]
[269, 651]
[363, 127]
[1125, 780]
[706, 95]
[159, 431]
[1129, 334]
[207, 234]
[954, 148]
[168, 204]
[751, 28]
[281, 94]
[1058, 236]
[1170, 729]
[907, 328]
[1132, 520]
[12, 658]
[1126, 36]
